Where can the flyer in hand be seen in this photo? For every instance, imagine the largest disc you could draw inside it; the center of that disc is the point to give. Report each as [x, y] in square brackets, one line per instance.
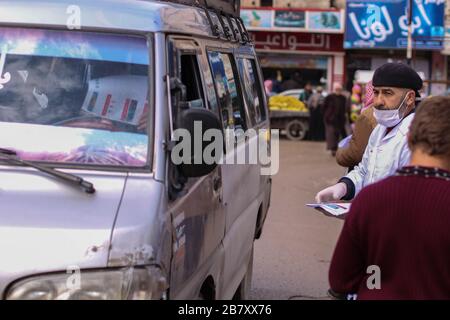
[337, 210]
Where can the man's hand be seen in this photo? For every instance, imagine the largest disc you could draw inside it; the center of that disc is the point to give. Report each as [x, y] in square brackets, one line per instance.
[332, 193]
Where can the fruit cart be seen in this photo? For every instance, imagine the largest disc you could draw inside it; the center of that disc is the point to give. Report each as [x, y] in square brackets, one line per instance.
[294, 124]
[289, 115]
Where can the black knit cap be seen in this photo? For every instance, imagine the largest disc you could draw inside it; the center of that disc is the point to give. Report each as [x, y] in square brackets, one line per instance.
[397, 75]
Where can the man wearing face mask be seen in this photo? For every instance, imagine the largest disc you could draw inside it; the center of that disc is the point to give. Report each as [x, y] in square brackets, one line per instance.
[396, 89]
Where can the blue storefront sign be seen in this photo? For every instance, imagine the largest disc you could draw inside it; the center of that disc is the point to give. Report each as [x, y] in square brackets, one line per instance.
[384, 24]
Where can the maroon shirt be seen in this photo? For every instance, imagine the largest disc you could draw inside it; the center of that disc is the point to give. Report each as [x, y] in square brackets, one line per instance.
[402, 225]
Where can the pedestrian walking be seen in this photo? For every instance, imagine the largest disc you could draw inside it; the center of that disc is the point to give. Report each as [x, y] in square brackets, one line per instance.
[316, 125]
[334, 113]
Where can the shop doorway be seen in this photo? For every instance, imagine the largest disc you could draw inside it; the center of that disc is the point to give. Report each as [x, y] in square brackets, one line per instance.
[295, 78]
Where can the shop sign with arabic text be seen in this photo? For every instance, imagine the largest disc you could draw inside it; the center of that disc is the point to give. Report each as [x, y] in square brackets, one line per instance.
[327, 21]
[297, 41]
[384, 24]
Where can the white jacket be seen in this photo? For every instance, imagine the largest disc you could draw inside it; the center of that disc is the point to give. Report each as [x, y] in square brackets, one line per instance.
[384, 154]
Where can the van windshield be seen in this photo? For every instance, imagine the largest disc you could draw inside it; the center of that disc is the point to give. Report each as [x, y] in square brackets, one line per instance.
[74, 97]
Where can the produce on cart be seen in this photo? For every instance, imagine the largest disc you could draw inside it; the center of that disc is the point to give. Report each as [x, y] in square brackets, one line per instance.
[289, 115]
[286, 103]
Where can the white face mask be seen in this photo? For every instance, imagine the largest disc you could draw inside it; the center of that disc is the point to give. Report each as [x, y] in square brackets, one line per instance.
[390, 118]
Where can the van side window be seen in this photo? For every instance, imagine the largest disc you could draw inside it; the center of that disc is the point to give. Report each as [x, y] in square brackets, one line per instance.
[231, 106]
[185, 66]
[252, 90]
[190, 76]
[209, 84]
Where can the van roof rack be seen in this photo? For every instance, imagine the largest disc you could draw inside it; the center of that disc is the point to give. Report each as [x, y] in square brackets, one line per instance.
[231, 7]
[228, 16]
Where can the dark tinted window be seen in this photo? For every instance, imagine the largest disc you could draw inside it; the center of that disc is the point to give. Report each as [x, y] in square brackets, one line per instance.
[252, 90]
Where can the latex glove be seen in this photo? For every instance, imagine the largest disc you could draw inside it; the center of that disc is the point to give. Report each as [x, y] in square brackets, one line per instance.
[332, 193]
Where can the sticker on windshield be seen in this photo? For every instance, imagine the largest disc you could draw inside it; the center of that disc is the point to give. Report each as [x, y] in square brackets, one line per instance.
[4, 78]
[119, 98]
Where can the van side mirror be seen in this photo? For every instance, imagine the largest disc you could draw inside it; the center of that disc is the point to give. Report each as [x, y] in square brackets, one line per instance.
[188, 119]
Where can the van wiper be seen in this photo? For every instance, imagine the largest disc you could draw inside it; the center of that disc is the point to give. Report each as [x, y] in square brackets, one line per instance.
[11, 155]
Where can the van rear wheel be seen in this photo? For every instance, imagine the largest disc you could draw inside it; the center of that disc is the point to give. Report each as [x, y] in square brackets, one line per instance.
[243, 291]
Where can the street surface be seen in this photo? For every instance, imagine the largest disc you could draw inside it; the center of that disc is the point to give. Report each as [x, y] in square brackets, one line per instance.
[292, 257]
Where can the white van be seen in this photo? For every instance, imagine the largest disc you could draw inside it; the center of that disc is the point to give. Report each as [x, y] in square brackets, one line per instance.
[92, 205]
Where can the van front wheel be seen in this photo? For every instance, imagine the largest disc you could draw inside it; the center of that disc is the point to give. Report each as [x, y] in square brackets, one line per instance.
[243, 291]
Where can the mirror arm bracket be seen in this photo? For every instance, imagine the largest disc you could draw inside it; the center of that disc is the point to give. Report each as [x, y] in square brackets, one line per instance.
[176, 84]
[169, 145]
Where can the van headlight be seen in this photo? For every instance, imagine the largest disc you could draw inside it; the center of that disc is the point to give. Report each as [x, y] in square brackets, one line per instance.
[133, 283]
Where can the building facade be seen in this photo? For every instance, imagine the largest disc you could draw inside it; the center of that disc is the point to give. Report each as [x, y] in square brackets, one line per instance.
[298, 40]
[307, 36]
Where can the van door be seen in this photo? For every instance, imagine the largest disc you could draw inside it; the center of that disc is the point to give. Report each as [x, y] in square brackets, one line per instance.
[240, 179]
[195, 203]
